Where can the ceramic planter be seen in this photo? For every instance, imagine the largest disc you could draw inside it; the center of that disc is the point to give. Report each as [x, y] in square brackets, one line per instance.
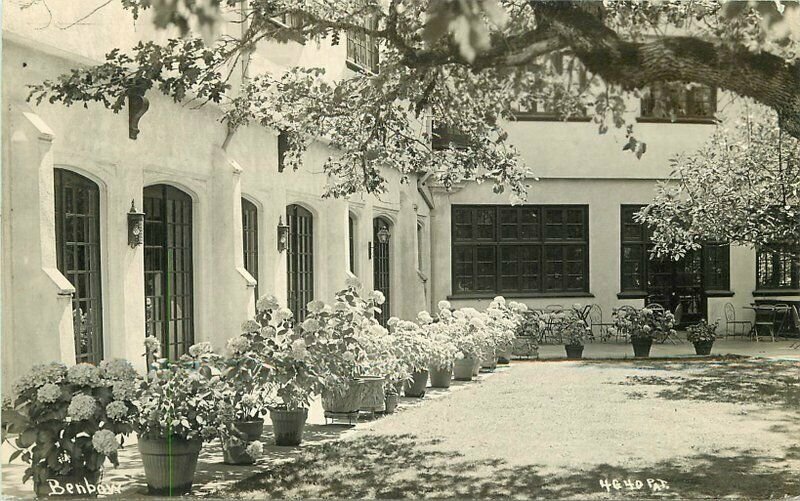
[343, 401]
[489, 363]
[287, 425]
[440, 378]
[476, 367]
[462, 369]
[703, 347]
[391, 403]
[504, 355]
[641, 346]
[574, 351]
[416, 387]
[169, 464]
[373, 393]
[81, 486]
[252, 429]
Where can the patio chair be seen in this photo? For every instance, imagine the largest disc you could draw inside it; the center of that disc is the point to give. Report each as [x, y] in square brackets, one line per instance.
[595, 317]
[796, 318]
[731, 322]
[783, 317]
[765, 319]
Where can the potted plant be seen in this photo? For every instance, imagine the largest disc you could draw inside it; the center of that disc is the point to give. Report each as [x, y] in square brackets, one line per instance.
[642, 326]
[528, 332]
[467, 336]
[413, 349]
[702, 335]
[177, 410]
[573, 332]
[244, 397]
[513, 313]
[443, 351]
[67, 422]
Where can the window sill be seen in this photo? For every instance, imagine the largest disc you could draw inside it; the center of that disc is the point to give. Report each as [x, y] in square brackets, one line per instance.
[719, 293]
[682, 120]
[519, 295]
[776, 292]
[632, 295]
[549, 118]
[360, 69]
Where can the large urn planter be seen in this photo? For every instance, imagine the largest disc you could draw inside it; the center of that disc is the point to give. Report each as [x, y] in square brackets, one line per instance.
[373, 394]
[574, 352]
[416, 387]
[641, 347]
[287, 425]
[82, 486]
[462, 369]
[252, 429]
[169, 464]
[345, 400]
[440, 378]
[703, 347]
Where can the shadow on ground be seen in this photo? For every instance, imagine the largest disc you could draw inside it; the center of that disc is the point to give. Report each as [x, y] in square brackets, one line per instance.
[399, 466]
[742, 381]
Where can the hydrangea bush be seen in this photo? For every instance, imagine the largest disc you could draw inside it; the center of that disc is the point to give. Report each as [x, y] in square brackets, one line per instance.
[570, 327]
[68, 421]
[702, 332]
[643, 323]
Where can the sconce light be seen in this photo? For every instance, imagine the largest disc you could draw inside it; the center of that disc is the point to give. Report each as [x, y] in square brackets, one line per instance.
[383, 235]
[283, 235]
[135, 226]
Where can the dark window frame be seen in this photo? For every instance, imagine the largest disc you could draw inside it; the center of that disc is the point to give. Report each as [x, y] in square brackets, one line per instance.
[779, 256]
[537, 244]
[363, 51]
[647, 105]
[351, 242]
[250, 239]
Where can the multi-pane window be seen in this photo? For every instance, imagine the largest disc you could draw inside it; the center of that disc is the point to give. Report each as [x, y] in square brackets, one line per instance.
[524, 249]
[250, 238]
[561, 100]
[300, 260]
[777, 268]
[638, 270]
[444, 137]
[351, 241]
[362, 49]
[673, 100]
[283, 146]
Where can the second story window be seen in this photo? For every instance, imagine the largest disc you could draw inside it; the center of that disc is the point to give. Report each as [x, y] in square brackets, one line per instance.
[560, 101]
[777, 268]
[678, 100]
[362, 49]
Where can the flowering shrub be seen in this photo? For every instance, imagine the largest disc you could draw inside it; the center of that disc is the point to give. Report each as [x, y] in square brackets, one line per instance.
[443, 350]
[68, 421]
[467, 330]
[643, 324]
[702, 331]
[412, 347]
[181, 399]
[502, 321]
[570, 327]
[245, 378]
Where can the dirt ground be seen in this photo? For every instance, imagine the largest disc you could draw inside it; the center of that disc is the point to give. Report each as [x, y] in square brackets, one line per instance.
[590, 429]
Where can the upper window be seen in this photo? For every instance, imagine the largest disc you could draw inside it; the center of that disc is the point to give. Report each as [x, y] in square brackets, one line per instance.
[362, 49]
[677, 100]
[536, 249]
[777, 269]
[563, 101]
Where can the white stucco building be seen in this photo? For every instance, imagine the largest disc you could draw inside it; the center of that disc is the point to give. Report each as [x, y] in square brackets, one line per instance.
[74, 289]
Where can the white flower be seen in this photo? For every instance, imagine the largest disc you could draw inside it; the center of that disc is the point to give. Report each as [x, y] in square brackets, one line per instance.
[250, 326]
[392, 321]
[445, 314]
[48, 393]
[477, 323]
[238, 345]
[327, 309]
[200, 349]
[499, 300]
[377, 297]
[340, 307]
[647, 311]
[105, 442]
[348, 356]
[315, 306]
[424, 317]
[124, 390]
[267, 331]
[378, 330]
[116, 410]
[311, 325]
[267, 302]
[118, 368]
[255, 449]
[84, 375]
[299, 349]
[443, 305]
[151, 344]
[81, 407]
[352, 283]
[282, 314]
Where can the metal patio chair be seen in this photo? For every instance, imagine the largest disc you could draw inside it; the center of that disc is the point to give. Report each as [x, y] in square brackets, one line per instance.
[796, 319]
[732, 323]
[596, 323]
[765, 319]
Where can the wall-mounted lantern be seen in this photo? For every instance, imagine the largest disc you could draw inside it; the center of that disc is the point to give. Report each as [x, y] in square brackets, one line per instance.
[135, 226]
[383, 234]
[283, 235]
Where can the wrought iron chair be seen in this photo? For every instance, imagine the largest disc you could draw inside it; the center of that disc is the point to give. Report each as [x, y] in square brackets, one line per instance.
[596, 323]
[765, 319]
[620, 334]
[783, 317]
[731, 322]
[796, 318]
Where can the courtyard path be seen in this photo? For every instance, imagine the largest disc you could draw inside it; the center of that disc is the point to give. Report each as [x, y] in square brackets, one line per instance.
[681, 429]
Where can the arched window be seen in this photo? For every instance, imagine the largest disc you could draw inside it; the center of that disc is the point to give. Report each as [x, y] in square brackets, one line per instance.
[250, 238]
[300, 260]
[381, 264]
[168, 270]
[77, 214]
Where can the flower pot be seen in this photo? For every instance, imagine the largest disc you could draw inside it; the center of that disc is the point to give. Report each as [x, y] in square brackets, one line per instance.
[462, 369]
[68, 486]
[489, 363]
[476, 367]
[169, 464]
[416, 387]
[236, 454]
[504, 355]
[391, 403]
[252, 429]
[440, 378]
[287, 425]
[344, 400]
[641, 347]
[373, 394]
[703, 347]
[574, 351]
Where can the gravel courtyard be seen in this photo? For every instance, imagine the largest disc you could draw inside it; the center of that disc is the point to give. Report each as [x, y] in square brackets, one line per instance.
[589, 429]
